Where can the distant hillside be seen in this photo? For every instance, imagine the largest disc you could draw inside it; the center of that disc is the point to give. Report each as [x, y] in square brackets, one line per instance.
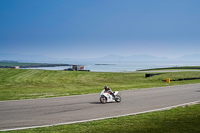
[130, 58]
[194, 57]
[144, 57]
[25, 58]
[9, 61]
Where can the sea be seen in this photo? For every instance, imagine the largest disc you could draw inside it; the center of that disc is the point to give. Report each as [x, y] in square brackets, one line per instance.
[121, 66]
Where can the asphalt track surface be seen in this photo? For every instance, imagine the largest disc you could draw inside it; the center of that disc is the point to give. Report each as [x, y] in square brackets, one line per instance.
[21, 114]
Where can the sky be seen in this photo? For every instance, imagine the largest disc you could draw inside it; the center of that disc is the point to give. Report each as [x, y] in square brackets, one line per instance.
[96, 28]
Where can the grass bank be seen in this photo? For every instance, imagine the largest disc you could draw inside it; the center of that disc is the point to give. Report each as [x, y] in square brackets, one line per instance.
[28, 65]
[177, 120]
[174, 68]
[16, 84]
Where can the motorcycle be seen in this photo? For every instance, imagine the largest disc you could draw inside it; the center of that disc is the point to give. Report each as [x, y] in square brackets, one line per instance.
[106, 97]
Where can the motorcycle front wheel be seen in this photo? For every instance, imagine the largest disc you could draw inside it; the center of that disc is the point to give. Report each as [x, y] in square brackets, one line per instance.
[117, 98]
[103, 100]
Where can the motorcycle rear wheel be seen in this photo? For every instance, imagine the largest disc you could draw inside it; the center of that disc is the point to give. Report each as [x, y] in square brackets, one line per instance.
[103, 100]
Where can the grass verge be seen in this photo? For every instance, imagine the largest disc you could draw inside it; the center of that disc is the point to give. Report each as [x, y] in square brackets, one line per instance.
[16, 84]
[176, 120]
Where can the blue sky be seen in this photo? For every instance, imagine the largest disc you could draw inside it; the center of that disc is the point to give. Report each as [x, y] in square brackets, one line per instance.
[96, 28]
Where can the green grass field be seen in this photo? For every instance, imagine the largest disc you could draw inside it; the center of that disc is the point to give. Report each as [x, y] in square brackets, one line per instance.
[16, 84]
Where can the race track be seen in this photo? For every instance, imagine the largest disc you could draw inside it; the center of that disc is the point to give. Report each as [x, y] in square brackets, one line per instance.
[51, 111]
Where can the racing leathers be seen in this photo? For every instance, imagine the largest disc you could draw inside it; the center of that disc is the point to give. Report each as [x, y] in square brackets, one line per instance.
[108, 90]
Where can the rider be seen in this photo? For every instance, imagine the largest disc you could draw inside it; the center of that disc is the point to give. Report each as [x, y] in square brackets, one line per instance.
[109, 91]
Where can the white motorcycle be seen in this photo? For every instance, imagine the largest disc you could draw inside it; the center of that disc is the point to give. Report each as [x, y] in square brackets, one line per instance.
[106, 97]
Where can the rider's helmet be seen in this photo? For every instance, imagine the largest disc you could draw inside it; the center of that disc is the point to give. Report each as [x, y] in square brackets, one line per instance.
[106, 88]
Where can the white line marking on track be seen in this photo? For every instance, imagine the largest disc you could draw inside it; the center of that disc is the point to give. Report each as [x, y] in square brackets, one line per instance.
[166, 108]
